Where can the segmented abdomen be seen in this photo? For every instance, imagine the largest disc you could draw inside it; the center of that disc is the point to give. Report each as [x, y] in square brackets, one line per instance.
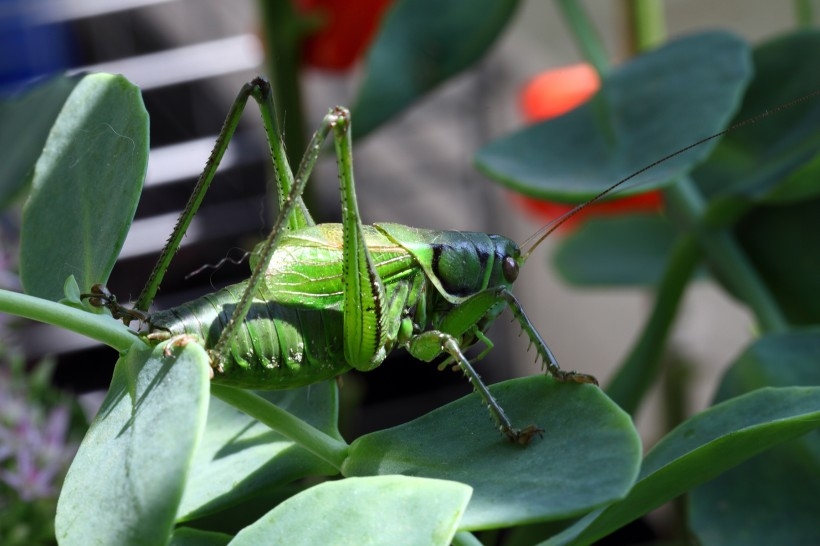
[278, 346]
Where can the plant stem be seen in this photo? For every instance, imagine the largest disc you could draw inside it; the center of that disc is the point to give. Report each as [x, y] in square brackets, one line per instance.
[804, 12]
[325, 447]
[725, 256]
[102, 328]
[284, 29]
[587, 38]
[640, 369]
[647, 22]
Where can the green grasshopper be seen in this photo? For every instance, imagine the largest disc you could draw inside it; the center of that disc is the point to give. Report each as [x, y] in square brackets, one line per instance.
[324, 299]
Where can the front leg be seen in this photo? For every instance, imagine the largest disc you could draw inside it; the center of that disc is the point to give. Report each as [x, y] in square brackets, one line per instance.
[289, 214]
[548, 359]
[428, 345]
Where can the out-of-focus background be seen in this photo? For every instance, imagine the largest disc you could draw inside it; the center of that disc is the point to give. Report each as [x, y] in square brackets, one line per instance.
[190, 57]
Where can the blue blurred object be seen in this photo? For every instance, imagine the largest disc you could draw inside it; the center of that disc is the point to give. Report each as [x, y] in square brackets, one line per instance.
[30, 45]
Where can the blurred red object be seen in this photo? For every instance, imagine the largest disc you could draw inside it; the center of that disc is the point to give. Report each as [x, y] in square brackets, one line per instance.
[551, 94]
[555, 92]
[349, 27]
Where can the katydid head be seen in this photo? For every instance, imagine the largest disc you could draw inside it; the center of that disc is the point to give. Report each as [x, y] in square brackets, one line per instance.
[465, 263]
[507, 263]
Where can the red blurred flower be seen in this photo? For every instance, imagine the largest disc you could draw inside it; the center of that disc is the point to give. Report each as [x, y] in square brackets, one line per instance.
[349, 26]
[551, 94]
[555, 92]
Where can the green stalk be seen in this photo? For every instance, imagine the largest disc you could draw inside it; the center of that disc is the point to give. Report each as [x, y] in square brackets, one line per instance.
[640, 369]
[725, 256]
[586, 36]
[284, 30]
[102, 328]
[325, 447]
[648, 26]
[804, 12]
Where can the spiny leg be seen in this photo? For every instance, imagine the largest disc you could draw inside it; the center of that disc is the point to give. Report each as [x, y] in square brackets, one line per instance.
[364, 305]
[259, 90]
[548, 359]
[429, 344]
[288, 205]
[488, 346]
[101, 296]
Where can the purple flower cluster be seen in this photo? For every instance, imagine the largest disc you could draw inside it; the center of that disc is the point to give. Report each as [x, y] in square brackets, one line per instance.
[33, 441]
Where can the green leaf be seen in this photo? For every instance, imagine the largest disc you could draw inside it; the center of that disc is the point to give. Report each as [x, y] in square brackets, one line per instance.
[127, 478]
[799, 185]
[780, 504]
[240, 457]
[775, 159]
[588, 456]
[85, 187]
[25, 121]
[780, 242]
[71, 291]
[700, 449]
[647, 109]
[378, 510]
[420, 44]
[621, 251]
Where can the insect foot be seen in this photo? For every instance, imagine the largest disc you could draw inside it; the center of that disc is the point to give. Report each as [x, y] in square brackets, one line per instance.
[178, 341]
[524, 436]
[575, 377]
[101, 296]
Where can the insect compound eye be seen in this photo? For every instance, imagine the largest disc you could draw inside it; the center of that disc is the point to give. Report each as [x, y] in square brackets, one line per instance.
[510, 268]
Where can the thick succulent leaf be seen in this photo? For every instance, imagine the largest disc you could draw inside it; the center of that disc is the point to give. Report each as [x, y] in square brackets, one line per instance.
[625, 251]
[772, 498]
[240, 458]
[127, 478]
[25, 121]
[85, 187]
[781, 243]
[647, 109]
[379, 510]
[774, 160]
[420, 44]
[700, 449]
[587, 457]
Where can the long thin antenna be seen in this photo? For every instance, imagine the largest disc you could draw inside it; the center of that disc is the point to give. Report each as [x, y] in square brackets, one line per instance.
[549, 228]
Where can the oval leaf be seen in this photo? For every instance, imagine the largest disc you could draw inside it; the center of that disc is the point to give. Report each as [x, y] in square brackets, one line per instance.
[25, 121]
[700, 449]
[239, 457]
[774, 159]
[85, 187]
[626, 251]
[646, 109]
[780, 504]
[127, 478]
[415, 51]
[588, 456]
[378, 510]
